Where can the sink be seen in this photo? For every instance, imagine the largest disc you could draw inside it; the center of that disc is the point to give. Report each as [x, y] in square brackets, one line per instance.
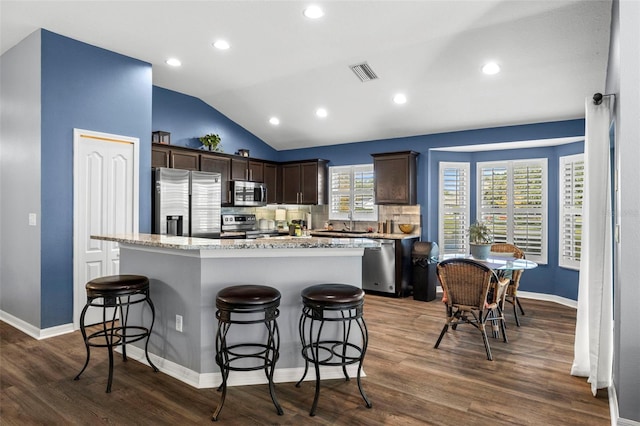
[343, 232]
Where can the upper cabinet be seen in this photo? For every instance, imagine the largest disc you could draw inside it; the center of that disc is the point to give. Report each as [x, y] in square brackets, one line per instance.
[305, 182]
[174, 157]
[160, 155]
[273, 180]
[245, 169]
[395, 177]
[300, 182]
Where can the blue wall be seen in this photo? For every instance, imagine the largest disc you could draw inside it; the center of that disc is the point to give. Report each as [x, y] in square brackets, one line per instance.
[548, 279]
[89, 88]
[187, 118]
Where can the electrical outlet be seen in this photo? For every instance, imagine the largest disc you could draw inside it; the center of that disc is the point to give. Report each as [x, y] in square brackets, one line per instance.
[32, 219]
[179, 323]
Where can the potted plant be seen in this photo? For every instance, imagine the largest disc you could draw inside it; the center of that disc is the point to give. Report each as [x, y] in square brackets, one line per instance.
[212, 142]
[480, 240]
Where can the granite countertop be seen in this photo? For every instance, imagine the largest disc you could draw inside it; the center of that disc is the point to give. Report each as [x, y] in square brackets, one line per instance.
[277, 242]
[377, 235]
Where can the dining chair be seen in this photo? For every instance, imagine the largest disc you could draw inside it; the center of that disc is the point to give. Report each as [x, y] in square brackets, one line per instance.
[472, 294]
[512, 290]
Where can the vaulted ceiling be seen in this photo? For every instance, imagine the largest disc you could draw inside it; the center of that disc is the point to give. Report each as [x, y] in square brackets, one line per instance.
[552, 55]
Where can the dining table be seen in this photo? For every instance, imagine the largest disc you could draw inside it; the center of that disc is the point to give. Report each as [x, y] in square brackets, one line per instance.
[502, 264]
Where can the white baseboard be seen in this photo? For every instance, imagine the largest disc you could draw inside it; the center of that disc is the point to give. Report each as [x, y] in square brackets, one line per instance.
[213, 380]
[32, 330]
[613, 410]
[549, 298]
[540, 296]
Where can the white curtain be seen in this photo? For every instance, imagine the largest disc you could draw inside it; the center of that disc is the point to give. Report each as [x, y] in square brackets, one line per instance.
[593, 349]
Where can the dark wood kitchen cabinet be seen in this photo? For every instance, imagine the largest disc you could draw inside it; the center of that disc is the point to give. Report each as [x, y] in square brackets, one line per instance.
[395, 177]
[272, 180]
[305, 182]
[295, 182]
[160, 156]
[245, 169]
[174, 157]
[218, 164]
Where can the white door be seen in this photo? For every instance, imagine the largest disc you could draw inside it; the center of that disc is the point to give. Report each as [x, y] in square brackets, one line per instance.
[105, 189]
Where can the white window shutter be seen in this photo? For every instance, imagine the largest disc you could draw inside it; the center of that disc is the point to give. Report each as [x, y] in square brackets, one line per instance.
[571, 179]
[351, 192]
[512, 199]
[454, 207]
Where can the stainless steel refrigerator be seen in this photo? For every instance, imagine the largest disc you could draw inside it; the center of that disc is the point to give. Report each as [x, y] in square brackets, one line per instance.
[186, 203]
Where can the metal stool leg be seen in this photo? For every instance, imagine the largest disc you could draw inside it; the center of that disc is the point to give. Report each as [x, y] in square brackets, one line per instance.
[222, 359]
[301, 327]
[271, 356]
[365, 343]
[84, 338]
[153, 320]
[315, 351]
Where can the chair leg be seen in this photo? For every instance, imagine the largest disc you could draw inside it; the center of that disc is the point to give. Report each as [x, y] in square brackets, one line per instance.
[519, 305]
[515, 312]
[503, 326]
[486, 341]
[442, 333]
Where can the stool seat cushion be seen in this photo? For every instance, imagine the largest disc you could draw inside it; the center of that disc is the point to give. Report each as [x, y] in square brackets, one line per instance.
[332, 294]
[247, 296]
[117, 285]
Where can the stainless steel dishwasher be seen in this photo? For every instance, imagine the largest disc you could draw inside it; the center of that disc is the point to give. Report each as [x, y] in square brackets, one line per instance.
[379, 267]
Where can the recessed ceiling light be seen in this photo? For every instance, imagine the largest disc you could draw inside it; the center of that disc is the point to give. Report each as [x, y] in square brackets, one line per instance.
[274, 120]
[221, 44]
[491, 68]
[321, 112]
[173, 62]
[400, 99]
[313, 12]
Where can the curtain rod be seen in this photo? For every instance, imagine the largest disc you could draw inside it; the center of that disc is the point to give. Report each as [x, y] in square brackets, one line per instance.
[597, 98]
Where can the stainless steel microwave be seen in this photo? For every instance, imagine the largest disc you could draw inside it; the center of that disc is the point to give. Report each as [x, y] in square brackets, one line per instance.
[245, 193]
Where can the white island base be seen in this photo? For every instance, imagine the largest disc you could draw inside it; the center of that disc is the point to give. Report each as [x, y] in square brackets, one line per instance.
[184, 281]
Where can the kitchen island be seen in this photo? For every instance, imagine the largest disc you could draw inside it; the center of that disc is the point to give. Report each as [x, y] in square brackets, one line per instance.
[186, 273]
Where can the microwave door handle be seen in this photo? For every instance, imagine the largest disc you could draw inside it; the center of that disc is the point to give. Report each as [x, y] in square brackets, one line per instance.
[264, 193]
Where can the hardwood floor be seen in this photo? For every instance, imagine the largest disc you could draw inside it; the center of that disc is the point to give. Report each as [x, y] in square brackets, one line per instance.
[408, 382]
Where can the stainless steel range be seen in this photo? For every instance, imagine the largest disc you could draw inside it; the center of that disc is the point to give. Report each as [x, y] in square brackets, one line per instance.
[237, 225]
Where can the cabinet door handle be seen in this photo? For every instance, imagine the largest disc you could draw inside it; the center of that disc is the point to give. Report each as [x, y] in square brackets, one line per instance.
[250, 174]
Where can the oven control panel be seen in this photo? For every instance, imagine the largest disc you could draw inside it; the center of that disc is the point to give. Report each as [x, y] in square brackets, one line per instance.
[238, 222]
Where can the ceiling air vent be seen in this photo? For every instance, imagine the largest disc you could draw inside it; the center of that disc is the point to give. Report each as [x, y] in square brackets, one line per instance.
[364, 72]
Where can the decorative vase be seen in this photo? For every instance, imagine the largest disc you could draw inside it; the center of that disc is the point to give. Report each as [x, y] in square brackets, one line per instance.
[480, 251]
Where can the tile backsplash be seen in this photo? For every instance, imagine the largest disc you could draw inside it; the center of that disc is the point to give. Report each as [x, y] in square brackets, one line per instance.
[320, 215]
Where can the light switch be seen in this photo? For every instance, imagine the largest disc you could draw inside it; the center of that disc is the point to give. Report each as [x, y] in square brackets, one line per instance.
[32, 219]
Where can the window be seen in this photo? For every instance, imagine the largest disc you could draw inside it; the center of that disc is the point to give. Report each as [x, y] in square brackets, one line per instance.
[571, 179]
[454, 207]
[351, 193]
[512, 198]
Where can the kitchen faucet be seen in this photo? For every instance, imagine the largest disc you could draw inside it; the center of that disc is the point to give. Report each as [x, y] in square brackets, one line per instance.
[350, 226]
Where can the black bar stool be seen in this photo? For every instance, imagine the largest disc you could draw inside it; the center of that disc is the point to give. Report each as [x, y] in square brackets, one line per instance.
[118, 292]
[333, 303]
[247, 304]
